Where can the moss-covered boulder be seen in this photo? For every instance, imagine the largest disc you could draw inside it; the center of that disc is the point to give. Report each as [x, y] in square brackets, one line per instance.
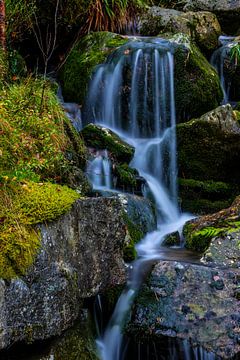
[101, 138]
[202, 26]
[89, 52]
[217, 235]
[209, 147]
[197, 85]
[205, 197]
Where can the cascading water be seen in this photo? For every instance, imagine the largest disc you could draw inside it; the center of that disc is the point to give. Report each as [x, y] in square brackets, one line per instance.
[133, 94]
[99, 171]
[220, 60]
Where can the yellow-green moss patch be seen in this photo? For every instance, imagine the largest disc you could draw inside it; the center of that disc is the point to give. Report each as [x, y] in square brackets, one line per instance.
[23, 205]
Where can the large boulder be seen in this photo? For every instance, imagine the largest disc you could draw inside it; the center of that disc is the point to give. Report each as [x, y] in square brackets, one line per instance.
[197, 84]
[227, 11]
[209, 147]
[81, 255]
[89, 52]
[192, 303]
[202, 26]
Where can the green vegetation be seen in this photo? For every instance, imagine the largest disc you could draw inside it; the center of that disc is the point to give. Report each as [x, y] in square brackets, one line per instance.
[200, 240]
[19, 18]
[24, 205]
[197, 84]
[207, 152]
[89, 52]
[135, 235]
[200, 232]
[33, 141]
[36, 143]
[111, 15]
[235, 53]
[101, 138]
[204, 197]
[126, 176]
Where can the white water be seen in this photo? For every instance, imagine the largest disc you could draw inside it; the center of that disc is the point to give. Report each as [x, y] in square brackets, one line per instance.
[99, 171]
[133, 94]
[218, 60]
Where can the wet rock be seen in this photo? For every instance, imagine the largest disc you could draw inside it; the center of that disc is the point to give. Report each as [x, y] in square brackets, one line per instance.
[209, 147]
[90, 51]
[184, 304]
[197, 84]
[202, 26]
[101, 138]
[218, 236]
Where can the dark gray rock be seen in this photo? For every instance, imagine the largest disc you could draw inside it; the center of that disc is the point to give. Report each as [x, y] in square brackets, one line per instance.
[81, 255]
[193, 303]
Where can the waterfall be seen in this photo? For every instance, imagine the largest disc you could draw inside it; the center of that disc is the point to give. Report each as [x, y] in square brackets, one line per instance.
[133, 94]
[99, 171]
[220, 57]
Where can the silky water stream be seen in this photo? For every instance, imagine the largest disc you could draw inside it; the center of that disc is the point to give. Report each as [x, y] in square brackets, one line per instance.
[222, 62]
[133, 94]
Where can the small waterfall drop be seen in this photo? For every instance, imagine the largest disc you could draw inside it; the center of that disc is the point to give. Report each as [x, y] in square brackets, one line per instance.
[133, 94]
[220, 60]
[99, 171]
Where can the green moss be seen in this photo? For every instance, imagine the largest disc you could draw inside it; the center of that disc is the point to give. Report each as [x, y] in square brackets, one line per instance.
[90, 51]
[203, 197]
[24, 205]
[206, 152]
[36, 137]
[101, 138]
[126, 176]
[135, 235]
[4, 67]
[200, 239]
[197, 84]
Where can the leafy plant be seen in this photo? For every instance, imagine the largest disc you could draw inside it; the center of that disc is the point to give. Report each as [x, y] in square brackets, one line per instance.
[235, 53]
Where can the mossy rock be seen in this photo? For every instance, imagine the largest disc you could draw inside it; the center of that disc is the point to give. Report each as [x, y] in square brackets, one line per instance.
[139, 218]
[90, 51]
[199, 233]
[197, 85]
[205, 197]
[135, 235]
[23, 205]
[101, 138]
[207, 151]
[126, 176]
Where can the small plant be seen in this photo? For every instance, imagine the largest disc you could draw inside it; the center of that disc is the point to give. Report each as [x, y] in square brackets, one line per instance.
[235, 54]
[110, 14]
